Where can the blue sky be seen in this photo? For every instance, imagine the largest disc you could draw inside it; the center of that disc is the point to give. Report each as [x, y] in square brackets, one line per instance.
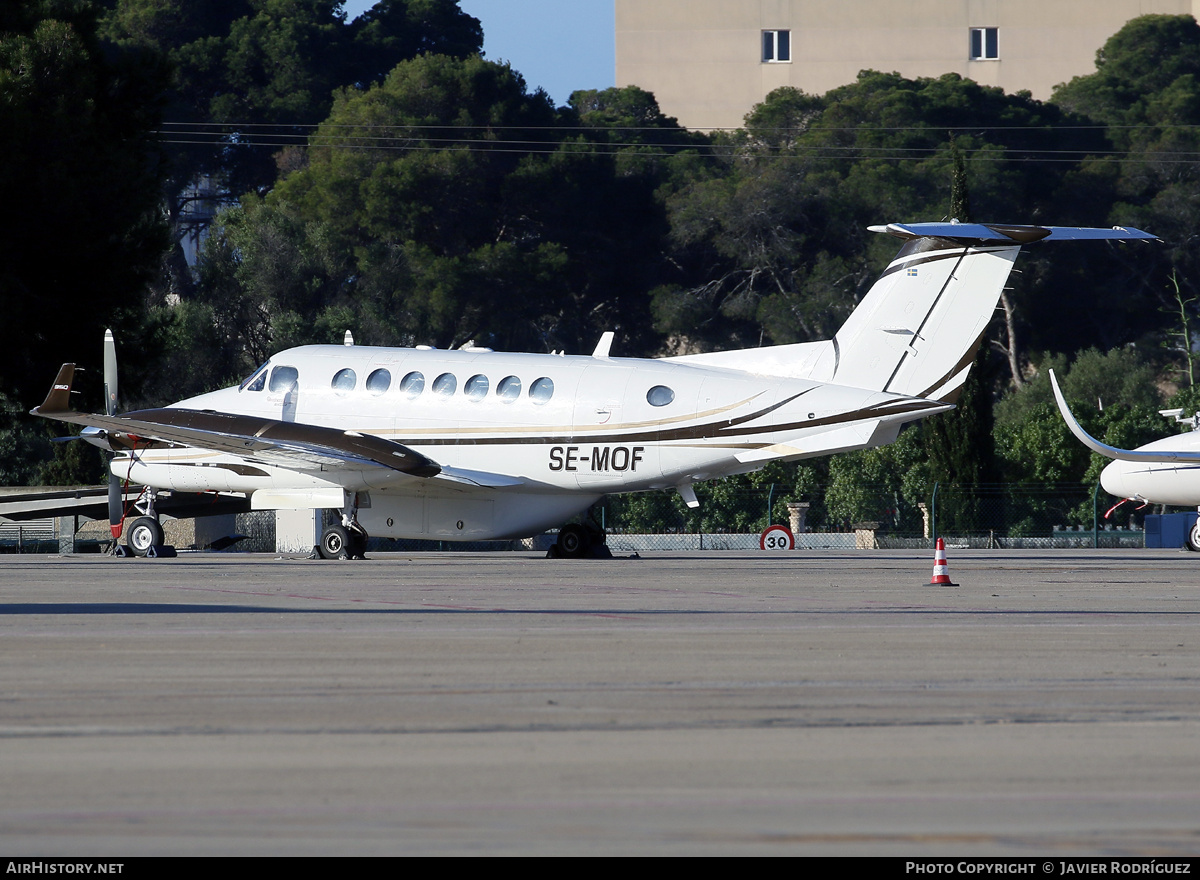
[560, 45]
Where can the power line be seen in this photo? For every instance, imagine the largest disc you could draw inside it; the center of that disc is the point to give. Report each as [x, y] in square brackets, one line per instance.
[990, 153]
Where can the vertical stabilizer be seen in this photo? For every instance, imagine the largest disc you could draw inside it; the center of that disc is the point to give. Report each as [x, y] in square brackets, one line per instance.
[917, 330]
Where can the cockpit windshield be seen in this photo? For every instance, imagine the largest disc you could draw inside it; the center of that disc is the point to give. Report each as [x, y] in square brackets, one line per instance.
[256, 381]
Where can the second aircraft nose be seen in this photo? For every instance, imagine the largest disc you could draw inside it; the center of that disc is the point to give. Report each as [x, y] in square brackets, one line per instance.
[1113, 479]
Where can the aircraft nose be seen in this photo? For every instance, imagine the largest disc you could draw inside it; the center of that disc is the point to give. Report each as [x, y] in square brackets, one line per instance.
[1113, 479]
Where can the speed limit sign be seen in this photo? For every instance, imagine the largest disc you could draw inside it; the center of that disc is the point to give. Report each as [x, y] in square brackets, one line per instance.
[777, 538]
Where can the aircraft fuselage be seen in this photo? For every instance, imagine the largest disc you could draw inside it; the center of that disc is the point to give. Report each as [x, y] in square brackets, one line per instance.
[522, 429]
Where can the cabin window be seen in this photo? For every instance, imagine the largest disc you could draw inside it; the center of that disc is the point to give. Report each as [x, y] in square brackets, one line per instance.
[344, 381]
[445, 384]
[284, 378]
[541, 390]
[659, 395]
[379, 381]
[509, 389]
[412, 385]
[256, 381]
[476, 387]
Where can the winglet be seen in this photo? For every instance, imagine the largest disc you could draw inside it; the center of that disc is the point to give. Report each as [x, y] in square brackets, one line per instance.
[59, 398]
[1164, 456]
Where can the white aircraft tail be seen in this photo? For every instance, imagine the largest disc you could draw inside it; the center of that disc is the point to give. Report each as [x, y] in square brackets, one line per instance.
[917, 330]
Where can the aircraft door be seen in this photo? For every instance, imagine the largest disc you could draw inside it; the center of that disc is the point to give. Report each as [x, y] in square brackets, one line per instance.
[610, 452]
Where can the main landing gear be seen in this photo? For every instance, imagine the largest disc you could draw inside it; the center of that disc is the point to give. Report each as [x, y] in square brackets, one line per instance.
[580, 541]
[345, 539]
[343, 542]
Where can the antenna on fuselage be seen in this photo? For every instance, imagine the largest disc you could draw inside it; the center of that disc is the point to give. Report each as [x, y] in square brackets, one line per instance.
[349, 339]
[604, 345]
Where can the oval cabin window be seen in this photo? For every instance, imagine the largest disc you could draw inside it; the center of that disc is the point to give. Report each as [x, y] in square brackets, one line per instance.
[445, 384]
[541, 390]
[476, 387]
[509, 389]
[412, 385]
[659, 395]
[344, 380]
[379, 381]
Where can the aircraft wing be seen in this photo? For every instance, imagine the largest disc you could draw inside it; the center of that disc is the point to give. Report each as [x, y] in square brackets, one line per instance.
[1165, 456]
[286, 444]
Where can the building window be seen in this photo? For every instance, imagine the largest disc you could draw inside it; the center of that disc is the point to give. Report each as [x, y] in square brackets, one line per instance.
[984, 44]
[776, 46]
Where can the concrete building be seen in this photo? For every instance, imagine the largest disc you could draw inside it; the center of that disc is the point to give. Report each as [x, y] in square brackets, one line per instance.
[710, 61]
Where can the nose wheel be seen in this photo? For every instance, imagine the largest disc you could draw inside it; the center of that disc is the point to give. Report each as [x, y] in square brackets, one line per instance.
[145, 536]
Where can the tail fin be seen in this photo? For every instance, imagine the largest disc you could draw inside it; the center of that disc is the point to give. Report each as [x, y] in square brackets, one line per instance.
[917, 330]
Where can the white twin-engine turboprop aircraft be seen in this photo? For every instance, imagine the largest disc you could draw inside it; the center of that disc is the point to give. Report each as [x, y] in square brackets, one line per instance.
[474, 444]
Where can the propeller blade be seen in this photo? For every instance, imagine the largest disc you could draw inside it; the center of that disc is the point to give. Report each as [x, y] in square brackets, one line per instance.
[115, 506]
[115, 501]
[110, 374]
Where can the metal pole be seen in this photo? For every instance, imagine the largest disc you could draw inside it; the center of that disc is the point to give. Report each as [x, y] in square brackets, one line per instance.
[1095, 518]
[933, 516]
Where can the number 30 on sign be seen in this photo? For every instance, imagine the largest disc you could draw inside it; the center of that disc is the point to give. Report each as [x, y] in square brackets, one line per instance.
[777, 538]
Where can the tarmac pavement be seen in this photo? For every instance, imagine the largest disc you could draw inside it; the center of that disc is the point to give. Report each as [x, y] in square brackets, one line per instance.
[802, 703]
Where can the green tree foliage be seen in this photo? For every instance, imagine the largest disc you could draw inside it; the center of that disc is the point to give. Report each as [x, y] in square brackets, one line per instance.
[1113, 395]
[449, 204]
[882, 485]
[80, 234]
[245, 64]
[251, 78]
[775, 247]
[1146, 90]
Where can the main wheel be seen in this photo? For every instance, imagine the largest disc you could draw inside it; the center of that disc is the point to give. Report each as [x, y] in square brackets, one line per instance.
[335, 543]
[573, 541]
[144, 534]
[1193, 536]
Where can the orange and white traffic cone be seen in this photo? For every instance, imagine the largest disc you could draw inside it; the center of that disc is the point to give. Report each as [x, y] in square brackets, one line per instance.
[941, 573]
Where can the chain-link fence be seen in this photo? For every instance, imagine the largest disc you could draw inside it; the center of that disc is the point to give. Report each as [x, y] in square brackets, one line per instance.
[731, 516]
[994, 515]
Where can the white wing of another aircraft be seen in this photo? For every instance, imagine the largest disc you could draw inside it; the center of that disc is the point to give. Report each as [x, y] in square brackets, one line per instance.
[1164, 471]
[474, 444]
[1144, 454]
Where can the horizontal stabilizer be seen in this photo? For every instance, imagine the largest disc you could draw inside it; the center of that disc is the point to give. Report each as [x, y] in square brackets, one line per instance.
[1009, 234]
